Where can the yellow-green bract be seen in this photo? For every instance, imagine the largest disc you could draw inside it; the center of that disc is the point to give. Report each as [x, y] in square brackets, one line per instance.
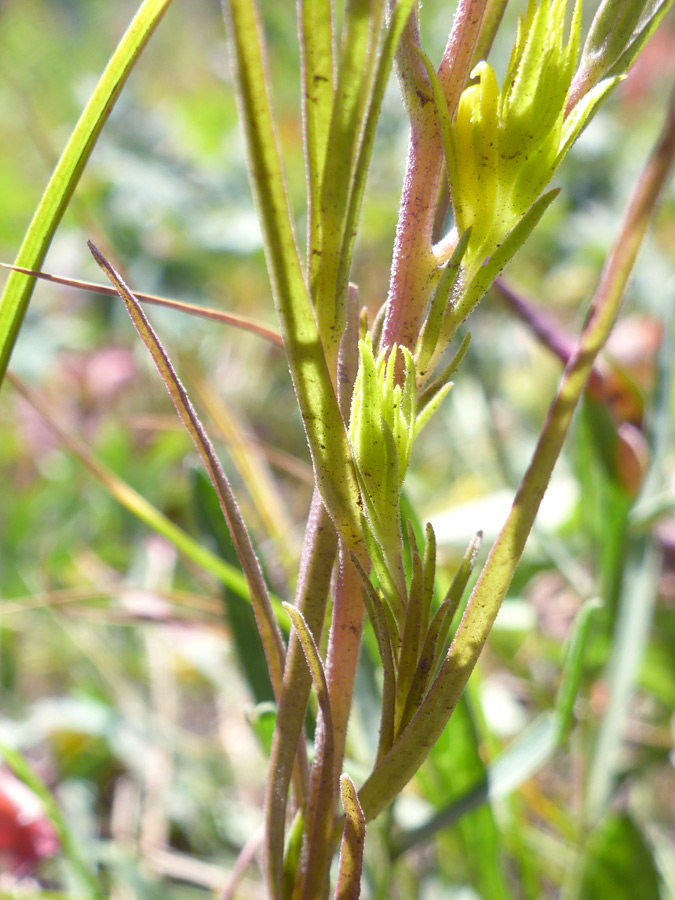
[506, 144]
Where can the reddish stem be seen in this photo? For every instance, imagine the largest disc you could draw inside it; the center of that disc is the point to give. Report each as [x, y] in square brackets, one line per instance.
[414, 264]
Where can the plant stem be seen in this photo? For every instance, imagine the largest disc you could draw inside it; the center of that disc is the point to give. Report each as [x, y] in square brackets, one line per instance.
[414, 263]
[311, 596]
[400, 764]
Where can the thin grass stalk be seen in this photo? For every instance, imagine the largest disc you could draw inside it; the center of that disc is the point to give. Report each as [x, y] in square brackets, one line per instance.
[194, 309]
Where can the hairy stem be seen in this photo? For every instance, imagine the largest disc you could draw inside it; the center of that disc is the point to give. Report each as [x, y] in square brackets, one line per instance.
[414, 263]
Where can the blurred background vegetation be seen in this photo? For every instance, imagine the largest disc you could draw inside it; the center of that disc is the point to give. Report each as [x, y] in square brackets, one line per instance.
[119, 680]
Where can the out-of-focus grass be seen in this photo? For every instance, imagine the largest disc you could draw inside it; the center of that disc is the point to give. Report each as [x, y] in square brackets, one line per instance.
[131, 705]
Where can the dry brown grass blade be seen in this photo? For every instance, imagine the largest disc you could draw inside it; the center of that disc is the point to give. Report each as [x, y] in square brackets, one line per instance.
[193, 309]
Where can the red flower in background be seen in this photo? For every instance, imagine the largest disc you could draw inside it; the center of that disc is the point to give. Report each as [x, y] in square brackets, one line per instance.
[26, 835]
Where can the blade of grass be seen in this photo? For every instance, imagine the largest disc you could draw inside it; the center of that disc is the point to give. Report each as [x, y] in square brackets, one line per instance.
[206, 312]
[634, 619]
[262, 607]
[16, 295]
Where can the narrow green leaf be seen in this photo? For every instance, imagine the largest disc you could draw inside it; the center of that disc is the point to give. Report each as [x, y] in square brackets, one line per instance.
[318, 555]
[262, 719]
[619, 863]
[494, 264]
[641, 36]
[314, 663]
[320, 808]
[574, 665]
[633, 625]
[412, 635]
[17, 293]
[427, 349]
[357, 53]
[437, 634]
[378, 620]
[267, 625]
[348, 885]
[316, 53]
[429, 576]
[440, 383]
[583, 112]
[324, 426]
[399, 18]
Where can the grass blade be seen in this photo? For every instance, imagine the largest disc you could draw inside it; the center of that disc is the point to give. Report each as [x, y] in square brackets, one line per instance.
[17, 293]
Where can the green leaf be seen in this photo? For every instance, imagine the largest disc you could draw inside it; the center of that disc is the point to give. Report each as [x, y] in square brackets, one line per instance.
[427, 348]
[619, 863]
[17, 293]
[324, 426]
[583, 112]
[494, 264]
[378, 619]
[262, 719]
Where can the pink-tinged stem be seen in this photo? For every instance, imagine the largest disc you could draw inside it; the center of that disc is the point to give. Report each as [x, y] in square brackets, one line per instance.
[311, 596]
[343, 652]
[414, 263]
